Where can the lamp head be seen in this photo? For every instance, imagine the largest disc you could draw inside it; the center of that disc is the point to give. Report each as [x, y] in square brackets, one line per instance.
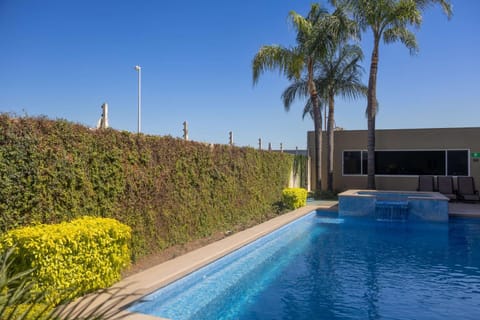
[138, 68]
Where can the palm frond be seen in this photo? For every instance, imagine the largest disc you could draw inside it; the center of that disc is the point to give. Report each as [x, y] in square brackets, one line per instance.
[404, 13]
[302, 25]
[308, 108]
[447, 7]
[276, 57]
[352, 90]
[297, 90]
[403, 35]
[103, 304]
[340, 73]
[342, 28]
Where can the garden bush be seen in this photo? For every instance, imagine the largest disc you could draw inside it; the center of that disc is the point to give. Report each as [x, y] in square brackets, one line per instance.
[294, 198]
[325, 195]
[70, 259]
[16, 300]
[169, 191]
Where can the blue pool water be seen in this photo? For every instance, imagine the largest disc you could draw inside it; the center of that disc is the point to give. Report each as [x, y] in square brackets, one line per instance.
[322, 267]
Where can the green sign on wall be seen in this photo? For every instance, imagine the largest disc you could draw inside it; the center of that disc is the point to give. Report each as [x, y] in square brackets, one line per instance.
[475, 154]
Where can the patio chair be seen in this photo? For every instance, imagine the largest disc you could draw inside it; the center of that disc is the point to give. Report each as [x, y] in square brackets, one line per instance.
[445, 187]
[425, 183]
[466, 189]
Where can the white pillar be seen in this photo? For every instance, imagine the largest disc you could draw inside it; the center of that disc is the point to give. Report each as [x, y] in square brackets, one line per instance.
[139, 125]
[104, 116]
[185, 130]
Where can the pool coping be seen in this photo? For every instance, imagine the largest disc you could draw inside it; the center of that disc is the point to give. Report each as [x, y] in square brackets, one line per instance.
[464, 209]
[413, 195]
[145, 282]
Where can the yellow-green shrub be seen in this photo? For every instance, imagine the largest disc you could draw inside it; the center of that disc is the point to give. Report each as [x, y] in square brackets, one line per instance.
[71, 258]
[294, 198]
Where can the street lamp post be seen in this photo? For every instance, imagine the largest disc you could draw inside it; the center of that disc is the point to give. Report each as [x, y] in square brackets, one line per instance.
[139, 69]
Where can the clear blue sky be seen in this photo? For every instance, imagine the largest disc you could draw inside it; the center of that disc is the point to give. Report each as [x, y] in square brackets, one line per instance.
[63, 59]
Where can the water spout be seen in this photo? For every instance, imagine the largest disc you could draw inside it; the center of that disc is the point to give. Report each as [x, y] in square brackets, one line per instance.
[391, 210]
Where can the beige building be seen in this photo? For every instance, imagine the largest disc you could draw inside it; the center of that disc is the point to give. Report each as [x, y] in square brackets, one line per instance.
[401, 156]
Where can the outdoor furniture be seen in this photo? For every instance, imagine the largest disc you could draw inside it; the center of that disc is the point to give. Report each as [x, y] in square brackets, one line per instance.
[425, 183]
[466, 189]
[445, 187]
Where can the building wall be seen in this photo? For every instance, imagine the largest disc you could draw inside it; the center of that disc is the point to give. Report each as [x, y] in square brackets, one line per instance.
[398, 139]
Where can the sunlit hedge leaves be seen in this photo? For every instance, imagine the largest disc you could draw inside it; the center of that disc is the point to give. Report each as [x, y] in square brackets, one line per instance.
[294, 198]
[70, 258]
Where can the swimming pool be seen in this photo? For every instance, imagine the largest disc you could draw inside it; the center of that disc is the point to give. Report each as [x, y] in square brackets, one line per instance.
[322, 267]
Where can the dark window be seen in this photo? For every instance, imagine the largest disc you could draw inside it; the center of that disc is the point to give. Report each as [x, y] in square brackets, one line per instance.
[410, 162]
[364, 162]
[425, 162]
[457, 161]
[352, 162]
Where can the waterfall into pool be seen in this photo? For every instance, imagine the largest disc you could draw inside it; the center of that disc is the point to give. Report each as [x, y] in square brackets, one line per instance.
[391, 210]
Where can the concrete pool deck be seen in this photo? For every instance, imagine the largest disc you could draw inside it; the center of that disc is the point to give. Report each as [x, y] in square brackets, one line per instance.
[464, 209]
[135, 286]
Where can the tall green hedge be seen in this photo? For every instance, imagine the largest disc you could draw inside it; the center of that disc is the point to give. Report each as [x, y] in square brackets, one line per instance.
[167, 190]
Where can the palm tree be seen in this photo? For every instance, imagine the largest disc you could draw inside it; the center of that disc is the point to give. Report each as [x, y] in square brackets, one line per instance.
[317, 34]
[340, 75]
[337, 74]
[387, 19]
[293, 62]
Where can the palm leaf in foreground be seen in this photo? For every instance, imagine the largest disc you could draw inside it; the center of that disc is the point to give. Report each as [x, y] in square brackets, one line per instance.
[17, 302]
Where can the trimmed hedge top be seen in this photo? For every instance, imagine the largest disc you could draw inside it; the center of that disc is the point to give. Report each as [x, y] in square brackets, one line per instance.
[168, 190]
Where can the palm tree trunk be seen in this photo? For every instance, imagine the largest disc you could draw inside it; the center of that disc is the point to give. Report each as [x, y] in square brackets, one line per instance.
[317, 122]
[371, 113]
[331, 106]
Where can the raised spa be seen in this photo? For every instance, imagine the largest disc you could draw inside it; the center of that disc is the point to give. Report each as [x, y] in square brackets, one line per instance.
[394, 205]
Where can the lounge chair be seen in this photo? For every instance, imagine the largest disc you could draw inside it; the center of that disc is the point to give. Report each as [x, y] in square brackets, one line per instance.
[425, 183]
[466, 189]
[445, 187]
